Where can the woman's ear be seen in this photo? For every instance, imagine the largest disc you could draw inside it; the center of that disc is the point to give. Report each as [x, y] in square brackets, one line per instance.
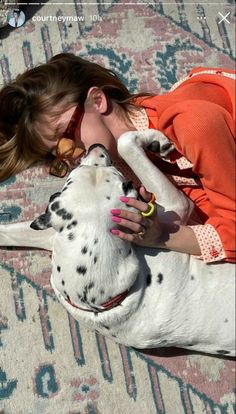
[97, 98]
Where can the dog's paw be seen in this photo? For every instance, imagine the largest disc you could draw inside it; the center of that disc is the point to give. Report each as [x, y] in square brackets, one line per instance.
[160, 144]
[151, 139]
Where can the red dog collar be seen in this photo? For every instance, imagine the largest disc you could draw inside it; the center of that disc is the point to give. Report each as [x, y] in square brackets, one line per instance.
[112, 303]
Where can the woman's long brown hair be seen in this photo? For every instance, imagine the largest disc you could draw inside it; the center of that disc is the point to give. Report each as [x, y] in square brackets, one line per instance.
[65, 78]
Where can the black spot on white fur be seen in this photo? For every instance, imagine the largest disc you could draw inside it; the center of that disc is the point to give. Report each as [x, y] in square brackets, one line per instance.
[61, 212]
[81, 270]
[71, 236]
[72, 224]
[58, 268]
[159, 278]
[53, 196]
[84, 250]
[55, 206]
[127, 187]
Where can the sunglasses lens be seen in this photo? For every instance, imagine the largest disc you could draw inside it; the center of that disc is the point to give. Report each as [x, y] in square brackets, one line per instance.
[65, 147]
[58, 168]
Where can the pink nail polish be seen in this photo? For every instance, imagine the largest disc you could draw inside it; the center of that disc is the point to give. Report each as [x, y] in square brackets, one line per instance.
[124, 199]
[114, 231]
[117, 219]
[116, 212]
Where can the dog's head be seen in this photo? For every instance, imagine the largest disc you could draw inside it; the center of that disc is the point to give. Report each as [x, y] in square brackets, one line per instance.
[91, 190]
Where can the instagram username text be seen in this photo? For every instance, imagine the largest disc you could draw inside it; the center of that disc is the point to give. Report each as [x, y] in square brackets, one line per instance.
[64, 19]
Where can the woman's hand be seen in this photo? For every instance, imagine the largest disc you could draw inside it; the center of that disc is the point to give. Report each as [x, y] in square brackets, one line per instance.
[144, 231]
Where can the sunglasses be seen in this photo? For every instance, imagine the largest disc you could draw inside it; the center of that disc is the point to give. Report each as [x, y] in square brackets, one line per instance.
[67, 151]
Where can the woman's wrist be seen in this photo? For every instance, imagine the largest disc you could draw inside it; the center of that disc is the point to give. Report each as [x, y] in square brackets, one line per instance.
[178, 238]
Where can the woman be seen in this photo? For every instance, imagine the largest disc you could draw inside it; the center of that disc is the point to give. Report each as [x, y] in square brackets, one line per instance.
[86, 103]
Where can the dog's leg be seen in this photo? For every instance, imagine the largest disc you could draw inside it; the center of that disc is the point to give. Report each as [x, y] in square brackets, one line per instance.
[175, 206]
[21, 235]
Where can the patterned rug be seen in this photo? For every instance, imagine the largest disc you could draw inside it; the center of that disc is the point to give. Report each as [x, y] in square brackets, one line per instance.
[48, 361]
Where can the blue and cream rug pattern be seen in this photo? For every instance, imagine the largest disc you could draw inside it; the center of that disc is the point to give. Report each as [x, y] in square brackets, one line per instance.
[48, 361]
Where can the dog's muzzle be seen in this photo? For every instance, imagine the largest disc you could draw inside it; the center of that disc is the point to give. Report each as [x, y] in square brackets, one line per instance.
[99, 152]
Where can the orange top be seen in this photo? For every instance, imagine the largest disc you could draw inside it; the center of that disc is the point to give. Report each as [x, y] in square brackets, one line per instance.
[198, 116]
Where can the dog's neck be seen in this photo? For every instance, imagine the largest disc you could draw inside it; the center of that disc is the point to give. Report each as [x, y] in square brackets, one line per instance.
[101, 266]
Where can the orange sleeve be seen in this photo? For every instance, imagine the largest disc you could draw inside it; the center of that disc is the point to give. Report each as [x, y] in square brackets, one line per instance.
[204, 133]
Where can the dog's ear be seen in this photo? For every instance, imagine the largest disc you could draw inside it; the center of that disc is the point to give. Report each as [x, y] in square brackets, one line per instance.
[42, 222]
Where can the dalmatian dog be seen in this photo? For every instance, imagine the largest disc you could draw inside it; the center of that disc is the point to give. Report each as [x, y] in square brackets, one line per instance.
[140, 297]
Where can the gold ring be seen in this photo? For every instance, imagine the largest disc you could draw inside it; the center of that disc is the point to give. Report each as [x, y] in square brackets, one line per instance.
[150, 211]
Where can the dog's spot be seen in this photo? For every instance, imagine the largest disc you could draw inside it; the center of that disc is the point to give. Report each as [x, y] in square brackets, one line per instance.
[148, 279]
[81, 270]
[96, 165]
[61, 211]
[102, 292]
[71, 236]
[63, 282]
[85, 292]
[61, 229]
[93, 300]
[55, 206]
[91, 285]
[53, 196]
[108, 197]
[222, 352]
[72, 224]
[130, 251]
[95, 313]
[226, 320]
[90, 253]
[105, 326]
[58, 268]
[107, 181]
[192, 278]
[95, 241]
[127, 187]
[95, 260]
[67, 216]
[159, 278]
[84, 250]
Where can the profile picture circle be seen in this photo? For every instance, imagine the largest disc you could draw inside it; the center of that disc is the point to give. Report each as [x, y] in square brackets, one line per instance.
[16, 18]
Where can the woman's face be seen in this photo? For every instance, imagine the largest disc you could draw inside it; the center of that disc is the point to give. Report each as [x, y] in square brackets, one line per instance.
[92, 129]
